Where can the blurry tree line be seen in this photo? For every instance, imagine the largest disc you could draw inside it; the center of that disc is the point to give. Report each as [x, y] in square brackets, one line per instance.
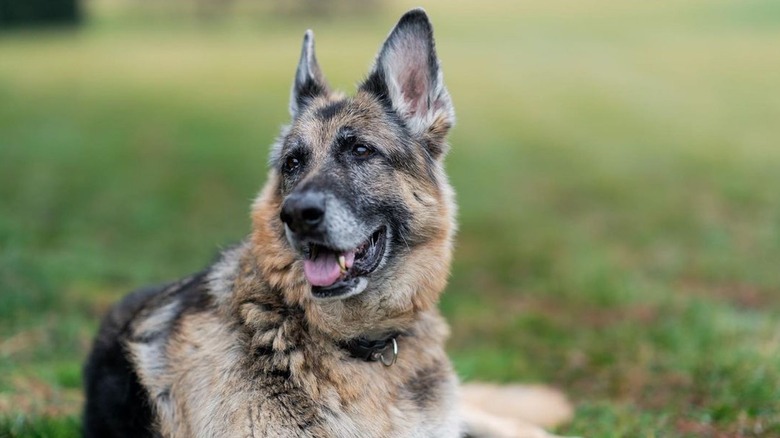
[20, 13]
[16, 13]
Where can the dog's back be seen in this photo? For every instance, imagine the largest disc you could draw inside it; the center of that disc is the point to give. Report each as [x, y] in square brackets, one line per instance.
[116, 402]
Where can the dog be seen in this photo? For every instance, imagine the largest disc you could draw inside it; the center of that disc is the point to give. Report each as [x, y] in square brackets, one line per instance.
[323, 322]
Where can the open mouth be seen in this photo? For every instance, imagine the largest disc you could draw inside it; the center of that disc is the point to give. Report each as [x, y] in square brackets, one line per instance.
[335, 273]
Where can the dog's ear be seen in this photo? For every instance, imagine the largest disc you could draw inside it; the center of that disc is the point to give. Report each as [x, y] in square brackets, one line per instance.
[309, 80]
[406, 77]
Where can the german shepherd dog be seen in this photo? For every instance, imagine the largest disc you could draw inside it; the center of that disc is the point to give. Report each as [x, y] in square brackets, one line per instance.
[323, 322]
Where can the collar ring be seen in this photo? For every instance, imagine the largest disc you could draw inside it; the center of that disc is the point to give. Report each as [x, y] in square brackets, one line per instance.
[389, 361]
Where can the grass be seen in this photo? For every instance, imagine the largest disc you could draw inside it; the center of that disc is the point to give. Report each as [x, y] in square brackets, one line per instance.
[616, 166]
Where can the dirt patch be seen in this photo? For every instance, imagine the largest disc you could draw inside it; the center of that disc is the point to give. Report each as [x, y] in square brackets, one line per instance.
[741, 295]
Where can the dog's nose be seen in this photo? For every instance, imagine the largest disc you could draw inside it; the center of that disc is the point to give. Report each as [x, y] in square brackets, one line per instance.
[303, 212]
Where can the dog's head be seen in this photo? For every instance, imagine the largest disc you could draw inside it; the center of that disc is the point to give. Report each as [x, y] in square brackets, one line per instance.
[357, 191]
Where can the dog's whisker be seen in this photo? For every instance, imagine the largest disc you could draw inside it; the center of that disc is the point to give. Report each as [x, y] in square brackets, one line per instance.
[405, 242]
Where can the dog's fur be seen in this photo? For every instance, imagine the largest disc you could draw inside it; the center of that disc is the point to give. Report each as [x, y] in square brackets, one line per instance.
[250, 347]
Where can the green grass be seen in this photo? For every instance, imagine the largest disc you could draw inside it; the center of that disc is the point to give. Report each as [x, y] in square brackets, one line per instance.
[616, 165]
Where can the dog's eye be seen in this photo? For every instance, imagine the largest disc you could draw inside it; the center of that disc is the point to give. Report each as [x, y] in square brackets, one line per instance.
[291, 164]
[360, 150]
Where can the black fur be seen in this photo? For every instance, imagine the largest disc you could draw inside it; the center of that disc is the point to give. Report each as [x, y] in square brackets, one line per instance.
[376, 85]
[111, 384]
[330, 110]
[307, 91]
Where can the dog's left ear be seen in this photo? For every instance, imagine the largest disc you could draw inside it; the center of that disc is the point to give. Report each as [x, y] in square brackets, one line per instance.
[406, 77]
[309, 80]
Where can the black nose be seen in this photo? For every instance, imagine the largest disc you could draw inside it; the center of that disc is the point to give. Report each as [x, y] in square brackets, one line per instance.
[303, 212]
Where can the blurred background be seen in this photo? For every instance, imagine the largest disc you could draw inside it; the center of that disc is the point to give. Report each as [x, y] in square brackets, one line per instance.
[617, 166]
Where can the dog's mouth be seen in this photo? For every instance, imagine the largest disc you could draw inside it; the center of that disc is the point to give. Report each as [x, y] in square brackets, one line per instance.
[334, 273]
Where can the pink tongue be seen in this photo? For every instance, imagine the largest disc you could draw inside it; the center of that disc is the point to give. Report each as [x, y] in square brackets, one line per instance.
[324, 270]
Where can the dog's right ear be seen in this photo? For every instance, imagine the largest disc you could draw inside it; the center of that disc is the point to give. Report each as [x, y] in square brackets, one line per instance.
[309, 80]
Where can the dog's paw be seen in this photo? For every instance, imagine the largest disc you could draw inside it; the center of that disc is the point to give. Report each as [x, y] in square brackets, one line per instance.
[512, 411]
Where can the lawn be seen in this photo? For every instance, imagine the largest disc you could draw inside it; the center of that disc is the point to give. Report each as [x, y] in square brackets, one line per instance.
[617, 167]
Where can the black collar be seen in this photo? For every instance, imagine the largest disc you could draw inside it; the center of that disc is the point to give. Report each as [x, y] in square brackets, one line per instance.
[384, 350]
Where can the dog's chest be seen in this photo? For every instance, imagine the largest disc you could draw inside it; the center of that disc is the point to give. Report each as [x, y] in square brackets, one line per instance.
[202, 384]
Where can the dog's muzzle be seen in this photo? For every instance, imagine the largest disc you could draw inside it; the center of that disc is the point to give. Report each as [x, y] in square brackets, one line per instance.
[339, 251]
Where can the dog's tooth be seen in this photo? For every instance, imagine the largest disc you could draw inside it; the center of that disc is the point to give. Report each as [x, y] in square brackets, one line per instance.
[343, 263]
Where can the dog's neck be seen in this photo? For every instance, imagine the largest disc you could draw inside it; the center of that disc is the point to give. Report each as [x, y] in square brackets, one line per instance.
[269, 320]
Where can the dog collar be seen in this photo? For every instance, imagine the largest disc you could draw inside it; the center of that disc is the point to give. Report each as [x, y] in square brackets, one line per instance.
[382, 350]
